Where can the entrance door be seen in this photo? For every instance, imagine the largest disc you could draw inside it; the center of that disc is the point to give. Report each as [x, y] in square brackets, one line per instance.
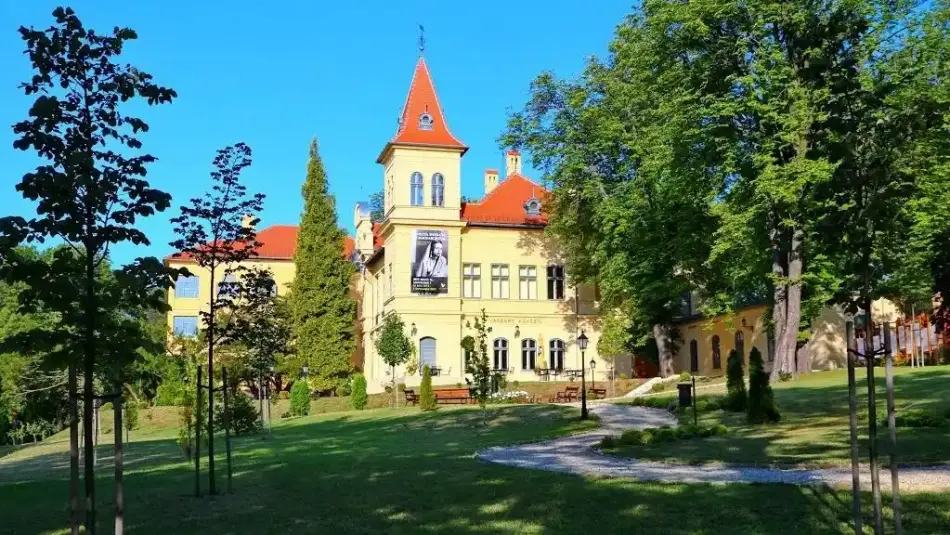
[693, 356]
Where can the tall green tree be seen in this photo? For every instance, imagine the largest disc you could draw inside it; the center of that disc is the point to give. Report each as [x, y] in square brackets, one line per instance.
[215, 234]
[323, 308]
[91, 190]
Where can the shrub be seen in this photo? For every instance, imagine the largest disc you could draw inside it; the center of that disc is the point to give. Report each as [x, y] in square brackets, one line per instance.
[426, 396]
[665, 434]
[401, 387]
[631, 437]
[761, 405]
[286, 414]
[664, 403]
[623, 377]
[659, 387]
[344, 389]
[736, 399]
[720, 430]
[358, 397]
[608, 442]
[784, 377]
[130, 415]
[241, 415]
[685, 377]
[914, 418]
[515, 384]
[300, 399]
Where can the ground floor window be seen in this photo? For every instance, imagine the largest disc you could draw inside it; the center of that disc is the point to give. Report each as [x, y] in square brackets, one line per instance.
[556, 360]
[716, 353]
[186, 326]
[500, 354]
[529, 354]
[426, 353]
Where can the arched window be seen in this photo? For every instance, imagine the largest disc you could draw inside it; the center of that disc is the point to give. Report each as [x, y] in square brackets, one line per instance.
[529, 354]
[716, 353]
[438, 190]
[740, 344]
[693, 356]
[557, 354]
[500, 353]
[415, 189]
[426, 353]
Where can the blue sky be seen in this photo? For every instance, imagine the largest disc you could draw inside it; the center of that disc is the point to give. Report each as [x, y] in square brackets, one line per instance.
[276, 74]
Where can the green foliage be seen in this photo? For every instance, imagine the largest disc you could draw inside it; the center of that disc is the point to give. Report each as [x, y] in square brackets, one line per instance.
[685, 377]
[358, 397]
[426, 396]
[130, 415]
[736, 398]
[480, 383]
[323, 309]
[261, 328]
[300, 399]
[377, 205]
[761, 407]
[642, 437]
[393, 346]
[241, 415]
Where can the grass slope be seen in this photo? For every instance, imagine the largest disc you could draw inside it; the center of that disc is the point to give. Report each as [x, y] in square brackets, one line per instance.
[401, 472]
[814, 427]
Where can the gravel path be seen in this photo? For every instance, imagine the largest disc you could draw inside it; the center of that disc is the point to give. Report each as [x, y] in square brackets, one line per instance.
[576, 455]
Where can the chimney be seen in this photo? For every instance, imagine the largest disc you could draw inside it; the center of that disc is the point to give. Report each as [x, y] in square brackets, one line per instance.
[512, 163]
[248, 221]
[491, 180]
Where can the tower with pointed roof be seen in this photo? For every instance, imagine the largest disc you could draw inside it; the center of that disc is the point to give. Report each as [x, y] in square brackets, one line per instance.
[422, 162]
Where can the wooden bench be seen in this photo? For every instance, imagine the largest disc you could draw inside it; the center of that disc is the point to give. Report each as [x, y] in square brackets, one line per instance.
[569, 394]
[452, 395]
[598, 393]
[411, 397]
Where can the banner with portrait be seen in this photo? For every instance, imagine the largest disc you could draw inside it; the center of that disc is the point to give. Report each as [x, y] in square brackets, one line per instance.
[430, 266]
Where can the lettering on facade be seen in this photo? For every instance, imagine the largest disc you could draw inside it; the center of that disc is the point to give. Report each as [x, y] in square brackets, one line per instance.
[513, 321]
[430, 270]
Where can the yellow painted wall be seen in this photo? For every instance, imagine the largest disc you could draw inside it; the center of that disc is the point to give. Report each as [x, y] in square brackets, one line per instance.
[283, 272]
[398, 169]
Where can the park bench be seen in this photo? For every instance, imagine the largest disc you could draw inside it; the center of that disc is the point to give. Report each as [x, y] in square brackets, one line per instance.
[411, 397]
[567, 395]
[452, 395]
[598, 393]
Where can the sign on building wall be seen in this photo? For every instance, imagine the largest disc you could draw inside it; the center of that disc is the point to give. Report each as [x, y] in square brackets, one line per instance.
[430, 269]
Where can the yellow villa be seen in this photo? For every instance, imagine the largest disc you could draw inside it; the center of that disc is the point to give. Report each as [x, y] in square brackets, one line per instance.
[438, 262]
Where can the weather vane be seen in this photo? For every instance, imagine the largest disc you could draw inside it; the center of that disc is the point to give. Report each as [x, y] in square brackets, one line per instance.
[422, 40]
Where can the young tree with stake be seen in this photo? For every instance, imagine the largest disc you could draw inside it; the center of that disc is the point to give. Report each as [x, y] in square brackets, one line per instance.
[393, 346]
[91, 191]
[216, 236]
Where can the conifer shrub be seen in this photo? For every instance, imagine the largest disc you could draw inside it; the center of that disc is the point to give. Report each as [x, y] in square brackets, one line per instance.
[736, 399]
[242, 416]
[358, 397]
[426, 396]
[300, 399]
[761, 405]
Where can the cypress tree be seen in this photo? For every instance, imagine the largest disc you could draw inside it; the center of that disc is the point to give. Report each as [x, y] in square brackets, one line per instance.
[761, 400]
[735, 383]
[322, 306]
[426, 396]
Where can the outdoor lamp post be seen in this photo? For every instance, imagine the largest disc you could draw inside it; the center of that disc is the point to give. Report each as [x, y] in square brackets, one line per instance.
[582, 345]
[593, 378]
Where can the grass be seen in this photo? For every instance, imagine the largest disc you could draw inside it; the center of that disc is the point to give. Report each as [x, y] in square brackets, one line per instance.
[814, 428]
[401, 471]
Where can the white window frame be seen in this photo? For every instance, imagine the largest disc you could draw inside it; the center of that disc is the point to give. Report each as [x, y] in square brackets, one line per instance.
[472, 281]
[527, 282]
[500, 281]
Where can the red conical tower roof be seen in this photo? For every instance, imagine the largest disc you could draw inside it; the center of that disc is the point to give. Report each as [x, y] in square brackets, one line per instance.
[422, 121]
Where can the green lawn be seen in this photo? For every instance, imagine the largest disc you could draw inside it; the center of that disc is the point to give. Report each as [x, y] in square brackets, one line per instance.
[814, 426]
[400, 471]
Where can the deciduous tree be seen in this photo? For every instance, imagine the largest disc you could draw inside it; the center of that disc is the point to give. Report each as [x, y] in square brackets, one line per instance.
[393, 347]
[215, 234]
[91, 190]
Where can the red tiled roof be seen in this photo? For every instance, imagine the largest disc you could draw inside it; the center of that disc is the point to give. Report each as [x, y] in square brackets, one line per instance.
[513, 152]
[279, 241]
[504, 205]
[422, 99]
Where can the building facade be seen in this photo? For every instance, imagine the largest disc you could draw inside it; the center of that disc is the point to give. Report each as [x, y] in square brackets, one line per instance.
[438, 262]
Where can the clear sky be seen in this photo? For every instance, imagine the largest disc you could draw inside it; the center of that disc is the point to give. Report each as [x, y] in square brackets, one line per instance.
[275, 74]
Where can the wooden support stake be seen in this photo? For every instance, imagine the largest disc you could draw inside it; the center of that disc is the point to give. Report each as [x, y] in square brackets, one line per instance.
[117, 435]
[197, 451]
[227, 422]
[892, 427]
[852, 354]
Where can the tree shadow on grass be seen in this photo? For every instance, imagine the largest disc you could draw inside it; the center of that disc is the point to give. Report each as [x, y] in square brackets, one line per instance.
[411, 473]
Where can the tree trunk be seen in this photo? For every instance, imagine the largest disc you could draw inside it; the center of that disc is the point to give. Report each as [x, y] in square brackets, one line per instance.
[664, 349]
[793, 314]
[89, 404]
[117, 436]
[211, 319]
[73, 450]
[779, 299]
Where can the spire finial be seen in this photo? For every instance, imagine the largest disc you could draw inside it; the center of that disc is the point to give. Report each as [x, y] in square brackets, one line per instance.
[422, 40]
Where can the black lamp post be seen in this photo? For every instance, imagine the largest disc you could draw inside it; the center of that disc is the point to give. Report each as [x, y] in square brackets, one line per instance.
[582, 345]
[593, 378]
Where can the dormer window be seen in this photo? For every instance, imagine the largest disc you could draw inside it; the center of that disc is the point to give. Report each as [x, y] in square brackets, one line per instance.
[425, 122]
[533, 207]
